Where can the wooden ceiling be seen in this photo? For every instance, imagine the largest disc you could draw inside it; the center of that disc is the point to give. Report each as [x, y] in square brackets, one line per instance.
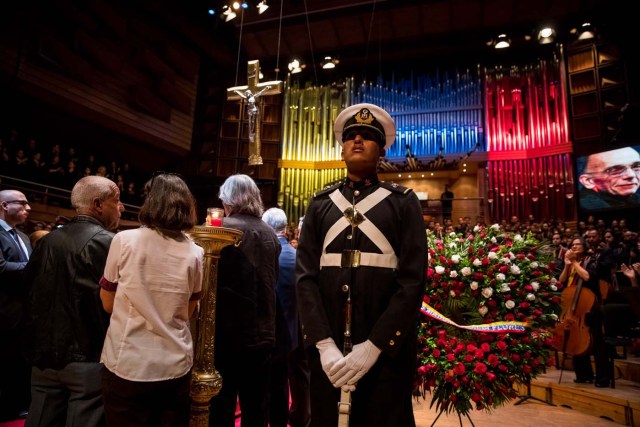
[367, 33]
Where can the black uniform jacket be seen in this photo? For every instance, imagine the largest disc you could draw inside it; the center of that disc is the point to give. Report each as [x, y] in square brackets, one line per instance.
[385, 301]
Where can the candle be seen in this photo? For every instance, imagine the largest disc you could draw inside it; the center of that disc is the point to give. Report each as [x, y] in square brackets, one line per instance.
[214, 217]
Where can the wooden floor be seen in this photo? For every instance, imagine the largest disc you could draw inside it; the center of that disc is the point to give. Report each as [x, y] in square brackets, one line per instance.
[579, 405]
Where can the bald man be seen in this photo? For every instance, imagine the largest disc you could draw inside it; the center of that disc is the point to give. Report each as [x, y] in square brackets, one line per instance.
[611, 180]
[66, 324]
[15, 250]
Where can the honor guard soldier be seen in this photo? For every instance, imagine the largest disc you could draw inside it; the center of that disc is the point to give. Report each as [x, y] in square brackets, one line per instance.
[361, 267]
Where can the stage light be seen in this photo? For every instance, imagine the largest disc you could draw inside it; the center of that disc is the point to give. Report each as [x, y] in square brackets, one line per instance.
[262, 7]
[212, 12]
[586, 31]
[503, 42]
[329, 63]
[546, 35]
[227, 13]
[295, 66]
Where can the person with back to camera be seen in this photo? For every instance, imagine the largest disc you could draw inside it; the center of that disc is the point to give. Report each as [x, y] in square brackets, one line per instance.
[611, 179]
[246, 307]
[66, 323]
[151, 284]
[289, 365]
[361, 272]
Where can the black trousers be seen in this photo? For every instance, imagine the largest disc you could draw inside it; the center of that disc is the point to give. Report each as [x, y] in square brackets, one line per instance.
[599, 350]
[289, 377]
[138, 404]
[245, 377]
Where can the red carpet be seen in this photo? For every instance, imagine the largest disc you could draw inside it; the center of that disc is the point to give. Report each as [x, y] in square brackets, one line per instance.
[16, 423]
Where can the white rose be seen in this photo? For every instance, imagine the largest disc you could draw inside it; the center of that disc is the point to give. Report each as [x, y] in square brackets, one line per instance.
[452, 245]
[495, 227]
[452, 234]
[453, 273]
[531, 297]
[506, 260]
[510, 304]
[487, 292]
[476, 228]
[473, 285]
[494, 240]
[553, 288]
[500, 277]
[553, 316]
[455, 259]
[466, 271]
[515, 269]
[439, 269]
[535, 285]
[505, 287]
[492, 255]
[534, 265]
[511, 255]
[518, 238]
[477, 262]
[483, 310]
[452, 293]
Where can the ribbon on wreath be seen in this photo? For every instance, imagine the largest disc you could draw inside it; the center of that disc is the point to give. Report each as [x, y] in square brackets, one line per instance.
[495, 327]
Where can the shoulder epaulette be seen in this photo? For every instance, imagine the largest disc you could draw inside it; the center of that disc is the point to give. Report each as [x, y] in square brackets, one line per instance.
[395, 187]
[326, 190]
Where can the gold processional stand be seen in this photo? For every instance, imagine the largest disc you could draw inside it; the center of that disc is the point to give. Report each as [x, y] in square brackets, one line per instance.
[206, 381]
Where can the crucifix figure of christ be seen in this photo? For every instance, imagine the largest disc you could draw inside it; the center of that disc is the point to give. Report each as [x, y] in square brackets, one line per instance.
[250, 94]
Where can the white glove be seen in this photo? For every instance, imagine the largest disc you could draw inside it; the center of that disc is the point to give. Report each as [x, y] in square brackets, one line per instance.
[354, 365]
[329, 353]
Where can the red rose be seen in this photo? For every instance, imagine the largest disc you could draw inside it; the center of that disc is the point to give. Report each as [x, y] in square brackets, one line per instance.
[480, 368]
[502, 346]
[485, 347]
[493, 360]
[526, 369]
[515, 358]
[451, 357]
[479, 354]
[476, 397]
[520, 256]
[459, 369]
[436, 352]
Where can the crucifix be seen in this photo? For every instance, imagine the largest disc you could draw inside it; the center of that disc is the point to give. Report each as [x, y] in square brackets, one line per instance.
[250, 93]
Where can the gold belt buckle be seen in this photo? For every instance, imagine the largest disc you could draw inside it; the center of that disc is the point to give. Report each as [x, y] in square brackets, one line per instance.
[350, 258]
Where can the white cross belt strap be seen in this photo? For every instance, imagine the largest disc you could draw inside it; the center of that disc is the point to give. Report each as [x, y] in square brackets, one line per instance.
[386, 259]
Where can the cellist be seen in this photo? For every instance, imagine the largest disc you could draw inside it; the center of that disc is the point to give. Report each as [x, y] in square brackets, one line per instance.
[581, 264]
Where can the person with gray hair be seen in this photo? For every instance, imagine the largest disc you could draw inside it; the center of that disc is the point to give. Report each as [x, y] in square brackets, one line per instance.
[289, 365]
[246, 307]
[240, 195]
[65, 321]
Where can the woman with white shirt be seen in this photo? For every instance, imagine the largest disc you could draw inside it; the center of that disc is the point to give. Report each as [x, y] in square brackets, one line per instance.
[151, 284]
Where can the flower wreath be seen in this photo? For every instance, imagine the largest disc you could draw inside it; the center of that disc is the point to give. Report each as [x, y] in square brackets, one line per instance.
[483, 285]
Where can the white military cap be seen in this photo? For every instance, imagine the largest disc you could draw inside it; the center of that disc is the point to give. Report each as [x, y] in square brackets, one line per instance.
[369, 116]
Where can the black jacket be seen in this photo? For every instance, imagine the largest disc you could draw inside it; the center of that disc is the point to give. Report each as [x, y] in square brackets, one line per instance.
[247, 276]
[12, 290]
[65, 319]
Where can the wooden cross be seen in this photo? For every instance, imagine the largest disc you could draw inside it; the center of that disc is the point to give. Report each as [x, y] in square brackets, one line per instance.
[249, 94]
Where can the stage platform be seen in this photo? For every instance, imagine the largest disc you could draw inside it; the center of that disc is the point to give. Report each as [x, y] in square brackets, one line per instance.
[575, 405]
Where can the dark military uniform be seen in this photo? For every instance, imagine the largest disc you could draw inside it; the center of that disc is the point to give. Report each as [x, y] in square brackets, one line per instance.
[386, 293]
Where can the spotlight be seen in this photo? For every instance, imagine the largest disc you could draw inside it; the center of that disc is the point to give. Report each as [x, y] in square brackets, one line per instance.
[329, 63]
[227, 14]
[503, 42]
[211, 12]
[262, 7]
[295, 67]
[586, 31]
[546, 35]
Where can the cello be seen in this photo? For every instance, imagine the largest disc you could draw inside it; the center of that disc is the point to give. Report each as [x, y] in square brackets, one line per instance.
[571, 334]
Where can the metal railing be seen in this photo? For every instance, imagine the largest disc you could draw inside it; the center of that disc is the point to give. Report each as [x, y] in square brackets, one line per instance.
[49, 195]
